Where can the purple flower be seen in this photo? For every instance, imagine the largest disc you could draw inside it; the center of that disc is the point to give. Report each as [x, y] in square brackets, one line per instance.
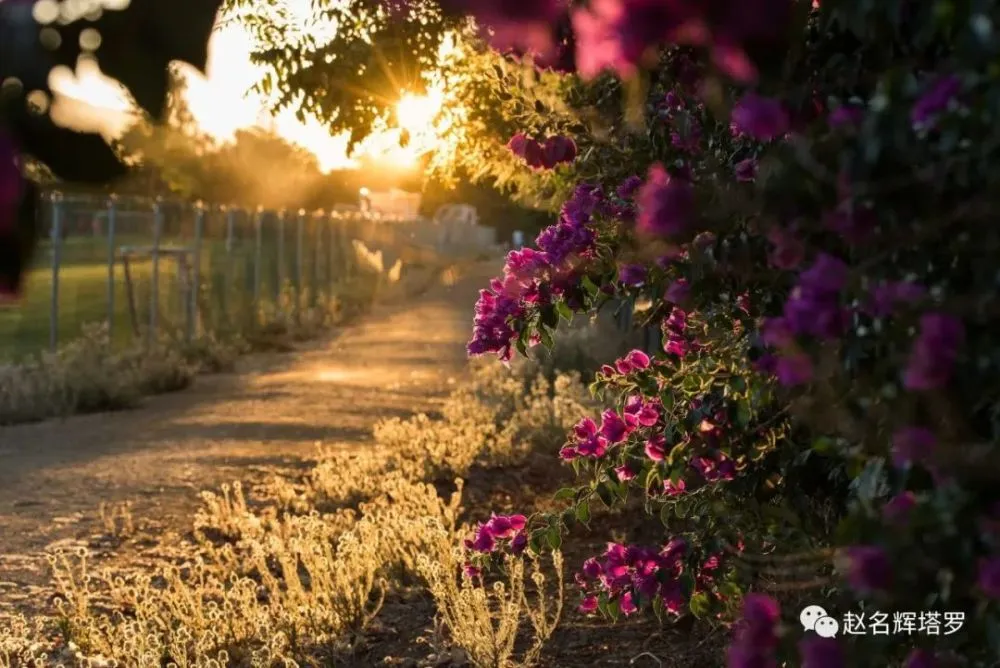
[869, 568]
[505, 526]
[517, 144]
[887, 295]
[633, 275]
[912, 445]
[589, 605]
[897, 510]
[665, 203]
[989, 577]
[935, 100]
[756, 638]
[624, 473]
[638, 360]
[558, 150]
[788, 252]
[483, 541]
[519, 543]
[656, 448]
[613, 427]
[629, 187]
[471, 571]
[678, 292]
[921, 658]
[760, 117]
[671, 488]
[814, 307]
[639, 412]
[853, 224]
[846, 116]
[934, 352]
[820, 652]
[626, 604]
[793, 369]
[746, 170]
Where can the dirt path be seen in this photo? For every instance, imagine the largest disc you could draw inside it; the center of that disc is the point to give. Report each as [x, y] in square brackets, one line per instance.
[270, 415]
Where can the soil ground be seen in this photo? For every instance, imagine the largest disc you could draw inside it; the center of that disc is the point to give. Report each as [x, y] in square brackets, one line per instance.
[266, 419]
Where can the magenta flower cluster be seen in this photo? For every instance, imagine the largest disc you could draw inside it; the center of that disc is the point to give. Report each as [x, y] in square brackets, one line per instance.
[500, 530]
[552, 152]
[629, 575]
[531, 278]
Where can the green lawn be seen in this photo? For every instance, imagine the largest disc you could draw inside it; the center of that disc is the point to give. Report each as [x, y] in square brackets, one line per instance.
[227, 285]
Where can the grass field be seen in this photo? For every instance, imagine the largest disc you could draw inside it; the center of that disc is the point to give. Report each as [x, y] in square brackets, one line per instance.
[226, 284]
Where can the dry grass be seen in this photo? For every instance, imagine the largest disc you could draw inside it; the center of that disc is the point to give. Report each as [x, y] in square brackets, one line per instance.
[296, 580]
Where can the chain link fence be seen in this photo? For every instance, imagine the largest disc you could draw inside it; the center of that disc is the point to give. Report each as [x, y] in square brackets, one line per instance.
[146, 266]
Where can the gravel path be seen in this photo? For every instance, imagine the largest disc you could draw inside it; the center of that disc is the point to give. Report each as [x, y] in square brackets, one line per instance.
[398, 360]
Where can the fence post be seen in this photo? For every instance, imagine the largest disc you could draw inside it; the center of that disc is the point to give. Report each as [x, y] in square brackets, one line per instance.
[112, 216]
[316, 225]
[257, 257]
[299, 228]
[154, 282]
[281, 256]
[55, 237]
[227, 275]
[195, 288]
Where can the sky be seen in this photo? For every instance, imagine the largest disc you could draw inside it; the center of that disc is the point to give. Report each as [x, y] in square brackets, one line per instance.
[221, 104]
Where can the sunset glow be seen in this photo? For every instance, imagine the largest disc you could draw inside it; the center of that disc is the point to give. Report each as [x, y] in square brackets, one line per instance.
[221, 104]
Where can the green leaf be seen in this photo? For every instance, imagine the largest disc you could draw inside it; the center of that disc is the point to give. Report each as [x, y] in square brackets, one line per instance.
[583, 511]
[589, 286]
[606, 496]
[564, 311]
[700, 605]
[550, 316]
[565, 493]
[547, 339]
[554, 538]
[665, 514]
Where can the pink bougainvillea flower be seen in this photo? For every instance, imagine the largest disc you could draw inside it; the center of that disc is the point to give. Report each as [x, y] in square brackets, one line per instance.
[589, 605]
[746, 170]
[471, 571]
[626, 604]
[921, 658]
[886, 296]
[760, 117]
[665, 203]
[988, 579]
[820, 652]
[624, 473]
[632, 275]
[656, 448]
[789, 251]
[934, 352]
[613, 427]
[517, 144]
[638, 360]
[869, 568]
[756, 633]
[678, 292]
[935, 100]
[846, 116]
[912, 445]
[898, 509]
[558, 150]
[793, 369]
[671, 488]
[534, 154]
[505, 526]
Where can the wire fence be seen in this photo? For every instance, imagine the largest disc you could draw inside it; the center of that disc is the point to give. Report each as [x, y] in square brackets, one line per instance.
[147, 266]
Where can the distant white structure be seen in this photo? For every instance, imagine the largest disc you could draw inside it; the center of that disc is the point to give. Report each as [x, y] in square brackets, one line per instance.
[457, 214]
[395, 202]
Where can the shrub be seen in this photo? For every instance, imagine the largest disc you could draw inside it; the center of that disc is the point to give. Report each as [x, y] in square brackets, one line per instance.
[803, 212]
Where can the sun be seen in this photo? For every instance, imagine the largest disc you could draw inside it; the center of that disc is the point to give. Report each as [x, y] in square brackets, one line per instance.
[416, 113]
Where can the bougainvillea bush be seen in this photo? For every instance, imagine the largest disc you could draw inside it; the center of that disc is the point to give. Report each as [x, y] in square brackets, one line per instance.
[803, 192]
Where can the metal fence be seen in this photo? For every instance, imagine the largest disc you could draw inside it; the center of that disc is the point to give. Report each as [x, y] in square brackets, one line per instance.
[145, 266]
